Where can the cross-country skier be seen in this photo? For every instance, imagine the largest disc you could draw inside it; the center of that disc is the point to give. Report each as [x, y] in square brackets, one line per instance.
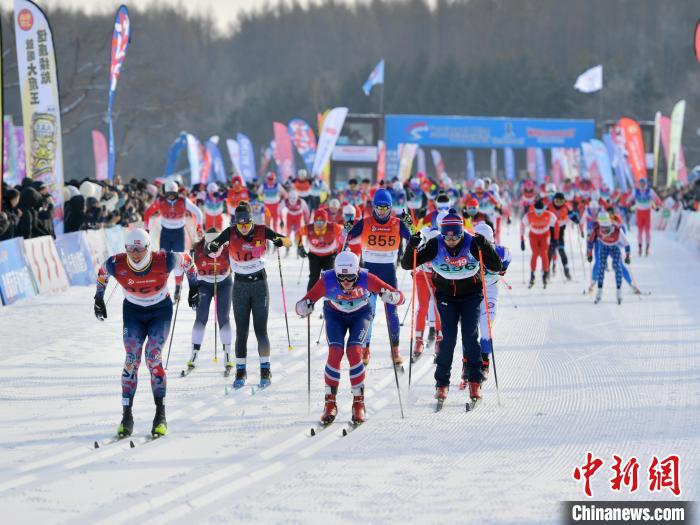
[172, 209]
[610, 237]
[247, 244]
[454, 256]
[492, 279]
[214, 280]
[559, 207]
[381, 236]
[273, 193]
[237, 193]
[297, 214]
[347, 310]
[323, 239]
[214, 207]
[539, 221]
[147, 312]
[643, 199]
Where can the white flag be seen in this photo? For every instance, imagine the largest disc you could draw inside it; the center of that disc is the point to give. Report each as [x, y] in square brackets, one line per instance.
[590, 80]
[332, 125]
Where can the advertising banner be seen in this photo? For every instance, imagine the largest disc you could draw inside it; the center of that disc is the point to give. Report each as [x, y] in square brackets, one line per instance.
[15, 278]
[45, 265]
[75, 255]
[284, 153]
[247, 158]
[304, 141]
[332, 125]
[99, 151]
[121, 36]
[114, 240]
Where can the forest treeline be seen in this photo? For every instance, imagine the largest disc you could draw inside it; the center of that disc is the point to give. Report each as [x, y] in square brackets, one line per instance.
[475, 57]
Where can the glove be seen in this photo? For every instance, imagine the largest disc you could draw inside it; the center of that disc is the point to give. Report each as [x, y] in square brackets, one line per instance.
[281, 224]
[415, 240]
[176, 295]
[480, 241]
[348, 225]
[406, 219]
[627, 259]
[589, 257]
[304, 308]
[522, 244]
[193, 297]
[213, 246]
[100, 309]
[278, 242]
[301, 252]
[390, 297]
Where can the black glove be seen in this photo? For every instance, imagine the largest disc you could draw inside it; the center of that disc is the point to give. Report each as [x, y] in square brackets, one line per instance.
[627, 259]
[176, 295]
[415, 240]
[522, 244]
[213, 246]
[301, 252]
[480, 241]
[278, 242]
[349, 225]
[406, 219]
[193, 297]
[100, 308]
[589, 257]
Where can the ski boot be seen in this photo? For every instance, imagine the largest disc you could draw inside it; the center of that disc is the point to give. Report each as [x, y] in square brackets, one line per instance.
[365, 355]
[160, 425]
[646, 252]
[636, 289]
[396, 356]
[640, 249]
[440, 396]
[619, 295]
[567, 273]
[358, 408]
[330, 409]
[545, 278]
[485, 362]
[474, 395]
[241, 376]
[126, 427]
[418, 348]
[431, 336]
[465, 375]
[265, 375]
[532, 280]
[598, 296]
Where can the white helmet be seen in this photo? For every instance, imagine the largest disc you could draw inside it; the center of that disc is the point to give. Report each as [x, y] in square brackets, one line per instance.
[441, 216]
[333, 204]
[138, 237]
[479, 184]
[495, 188]
[170, 187]
[212, 187]
[346, 263]
[293, 196]
[349, 209]
[484, 230]
[302, 174]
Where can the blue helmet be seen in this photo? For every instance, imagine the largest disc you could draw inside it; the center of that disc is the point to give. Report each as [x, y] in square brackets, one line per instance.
[382, 198]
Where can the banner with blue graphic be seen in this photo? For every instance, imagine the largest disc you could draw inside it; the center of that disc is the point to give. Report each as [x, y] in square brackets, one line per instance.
[304, 141]
[617, 161]
[75, 255]
[247, 157]
[120, 41]
[217, 161]
[114, 239]
[471, 170]
[15, 278]
[601, 156]
[509, 163]
[540, 165]
[173, 154]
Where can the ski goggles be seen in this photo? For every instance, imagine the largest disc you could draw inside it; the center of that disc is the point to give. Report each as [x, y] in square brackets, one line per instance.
[136, 248]
[453, 236]
[472, 211]
[560, 202]
[171, 196]
[383, 209]
[346, 277]
[319, 224]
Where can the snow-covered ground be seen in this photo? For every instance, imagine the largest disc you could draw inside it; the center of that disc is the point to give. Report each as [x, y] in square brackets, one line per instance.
[574, 377]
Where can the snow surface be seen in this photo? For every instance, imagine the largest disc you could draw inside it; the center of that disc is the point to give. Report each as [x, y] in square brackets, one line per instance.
[574, 377]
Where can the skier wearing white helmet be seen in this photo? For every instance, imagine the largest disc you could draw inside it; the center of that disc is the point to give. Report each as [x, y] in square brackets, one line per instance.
[214, 207]
[147, 311]
[347, 312]
[172, 208]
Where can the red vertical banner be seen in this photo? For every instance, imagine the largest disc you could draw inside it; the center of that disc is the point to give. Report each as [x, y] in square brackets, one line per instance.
[284, 154]
[99, 150]
[635, 147]
[381, 161]
[697, 41]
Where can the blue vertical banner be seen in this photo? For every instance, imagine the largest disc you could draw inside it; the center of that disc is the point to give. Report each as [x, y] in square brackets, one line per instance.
[509, 163]
[617, 161]
[247, 158]
[120, 41]
[471, 170]
[540, 165]
[173, 154]
[217, 162]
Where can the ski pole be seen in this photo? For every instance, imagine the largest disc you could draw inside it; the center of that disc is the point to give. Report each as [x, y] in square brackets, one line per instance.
[301, 270]
[318, 339]
[284, 300]
[172, 331]
[308, 364]
[216, 318]
[413, 318]
[488, 322]
[396, 374]
[116, 285]
[408, 309]
[508, 289]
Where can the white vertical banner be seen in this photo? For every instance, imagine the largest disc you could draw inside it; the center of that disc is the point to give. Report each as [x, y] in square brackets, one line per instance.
[193, 158]
[234, 154]
[407, 153]
[41, 111]
[330, 132]
[420, 161]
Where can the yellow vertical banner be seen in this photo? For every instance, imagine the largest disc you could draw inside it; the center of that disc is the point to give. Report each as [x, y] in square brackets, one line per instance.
[657, 146]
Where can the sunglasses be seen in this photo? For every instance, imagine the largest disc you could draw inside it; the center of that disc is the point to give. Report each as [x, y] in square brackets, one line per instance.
[472, 211]
[559, 202]
[453, 237]
[136, 249]
[348, 278]
[320, 224]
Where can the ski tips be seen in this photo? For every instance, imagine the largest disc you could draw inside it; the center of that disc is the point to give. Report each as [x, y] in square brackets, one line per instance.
[313, 432]
[97, 445]
[131, 444]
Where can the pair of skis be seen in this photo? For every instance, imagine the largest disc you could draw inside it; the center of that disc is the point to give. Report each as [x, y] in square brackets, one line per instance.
[471, 404]
[132, 442]
[347, 428]
[187, 371]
